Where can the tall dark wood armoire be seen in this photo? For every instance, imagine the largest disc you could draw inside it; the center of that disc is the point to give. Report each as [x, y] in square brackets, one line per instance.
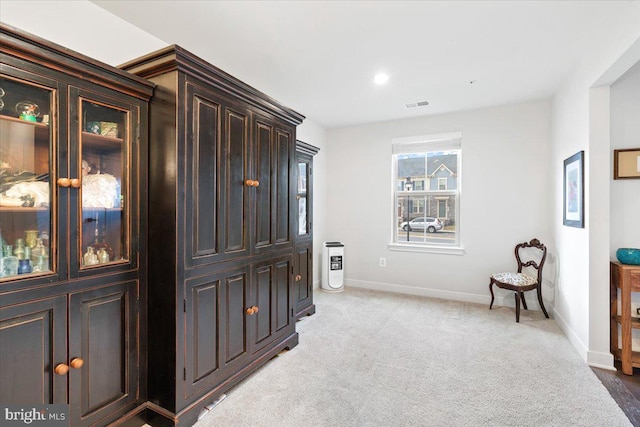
[303, 257]
[73, 183]
[222, 200]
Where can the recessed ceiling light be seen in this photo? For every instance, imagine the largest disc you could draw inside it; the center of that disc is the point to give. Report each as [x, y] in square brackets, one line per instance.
[381, 78]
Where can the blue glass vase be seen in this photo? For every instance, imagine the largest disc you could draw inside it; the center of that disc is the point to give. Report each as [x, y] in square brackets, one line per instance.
[628, 256]
[25, 266]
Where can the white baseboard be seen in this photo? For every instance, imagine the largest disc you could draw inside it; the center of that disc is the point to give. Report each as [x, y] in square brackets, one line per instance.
[424, 292]
[573, 338]
[597, 359]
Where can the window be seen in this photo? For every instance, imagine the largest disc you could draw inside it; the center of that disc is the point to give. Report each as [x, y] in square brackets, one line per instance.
[442, 183]
[426, 194]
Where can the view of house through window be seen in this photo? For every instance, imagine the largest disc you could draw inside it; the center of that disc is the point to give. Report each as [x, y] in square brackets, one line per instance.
[427, 190]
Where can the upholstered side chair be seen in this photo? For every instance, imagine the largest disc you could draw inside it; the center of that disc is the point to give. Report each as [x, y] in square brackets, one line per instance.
[521, 282]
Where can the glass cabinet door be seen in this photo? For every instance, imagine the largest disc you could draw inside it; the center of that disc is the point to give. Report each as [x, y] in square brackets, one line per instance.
[303, 200]
[103, 167]
[26, 196]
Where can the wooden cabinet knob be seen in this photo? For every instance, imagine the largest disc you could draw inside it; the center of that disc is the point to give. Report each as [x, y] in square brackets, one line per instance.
[76, 363]
[256, 183]
[298, 277]
[249, 183]
[64, 182]
[61, 369]
[76, 183]
[250, 311]
[255, 309]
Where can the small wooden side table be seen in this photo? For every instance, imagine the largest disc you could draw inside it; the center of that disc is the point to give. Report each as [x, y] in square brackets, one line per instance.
[626, 278]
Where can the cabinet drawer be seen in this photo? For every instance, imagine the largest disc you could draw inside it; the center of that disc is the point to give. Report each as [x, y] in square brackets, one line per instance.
[635, 280]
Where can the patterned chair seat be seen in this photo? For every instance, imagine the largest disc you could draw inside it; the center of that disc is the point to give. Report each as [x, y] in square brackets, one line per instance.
[519, 282]
[514, 279]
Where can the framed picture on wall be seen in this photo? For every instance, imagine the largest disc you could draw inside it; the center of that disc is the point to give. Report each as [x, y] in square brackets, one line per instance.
[626, 163]
[574, 191]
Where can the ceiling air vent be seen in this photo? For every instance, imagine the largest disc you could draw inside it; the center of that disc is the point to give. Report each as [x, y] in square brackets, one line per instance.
[417, 104]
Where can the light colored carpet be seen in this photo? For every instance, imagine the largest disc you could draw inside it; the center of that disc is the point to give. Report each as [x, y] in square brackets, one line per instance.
[378, 359]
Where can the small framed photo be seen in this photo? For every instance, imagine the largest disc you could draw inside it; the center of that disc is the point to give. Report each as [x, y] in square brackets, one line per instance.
[626, 163]
[574, 191]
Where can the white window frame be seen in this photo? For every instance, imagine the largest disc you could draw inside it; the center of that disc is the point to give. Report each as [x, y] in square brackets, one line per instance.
[424, 144]
[440, 181]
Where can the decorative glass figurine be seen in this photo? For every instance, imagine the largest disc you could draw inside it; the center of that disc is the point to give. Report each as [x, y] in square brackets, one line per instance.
[8, 263]
[90, 257]
[28, 110]
[24, 266]
[103, 256]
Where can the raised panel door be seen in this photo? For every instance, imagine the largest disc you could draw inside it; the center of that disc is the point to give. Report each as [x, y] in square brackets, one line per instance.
[32, 344]
[103, 333]
[215, 329]
[216, 166]
[273, 169]
[265, 171]
[303, 297]
[203, 168]
[272, 296]
[283, 180]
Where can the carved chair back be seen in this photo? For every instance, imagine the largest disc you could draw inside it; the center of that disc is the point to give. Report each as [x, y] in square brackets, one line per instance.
[534, 243]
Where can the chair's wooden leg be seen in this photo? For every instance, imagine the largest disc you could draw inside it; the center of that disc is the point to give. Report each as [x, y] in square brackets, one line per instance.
[541, 303]
[517, 296]
[491, 290]
[524, 301]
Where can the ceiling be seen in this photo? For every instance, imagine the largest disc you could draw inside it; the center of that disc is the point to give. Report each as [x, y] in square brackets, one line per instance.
[320, 57]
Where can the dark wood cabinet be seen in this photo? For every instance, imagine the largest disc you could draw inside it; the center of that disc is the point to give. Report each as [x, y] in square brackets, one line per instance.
[303, 262]
[222, 198]
[73, 149]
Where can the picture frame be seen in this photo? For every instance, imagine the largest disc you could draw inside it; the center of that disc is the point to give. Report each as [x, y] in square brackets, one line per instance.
[626, 163]
[573, 206]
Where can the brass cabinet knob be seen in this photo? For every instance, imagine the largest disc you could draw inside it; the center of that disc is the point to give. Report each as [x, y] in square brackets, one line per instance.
[64, 182]
[61, 369]
[76, 183]
[76, 363]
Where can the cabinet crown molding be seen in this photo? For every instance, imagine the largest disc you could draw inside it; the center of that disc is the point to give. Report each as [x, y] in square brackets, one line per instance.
[177, 58]
[29, 47]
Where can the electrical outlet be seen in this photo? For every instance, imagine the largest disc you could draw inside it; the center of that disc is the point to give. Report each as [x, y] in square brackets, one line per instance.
[383, 262]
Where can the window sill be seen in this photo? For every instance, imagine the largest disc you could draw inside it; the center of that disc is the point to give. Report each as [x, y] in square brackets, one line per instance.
[446, 250]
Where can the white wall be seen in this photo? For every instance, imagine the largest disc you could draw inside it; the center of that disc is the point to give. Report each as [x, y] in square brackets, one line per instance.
[625, 194]
[81, 26]
[625, 133]
[580, 122]
[505, 200]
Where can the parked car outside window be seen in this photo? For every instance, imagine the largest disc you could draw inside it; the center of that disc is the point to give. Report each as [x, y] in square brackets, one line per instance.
[425, 223]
